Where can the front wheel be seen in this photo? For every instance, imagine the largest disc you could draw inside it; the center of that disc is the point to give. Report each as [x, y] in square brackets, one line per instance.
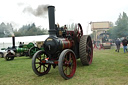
[38, 66]
[9, 56]
[67, 64]
[32, 51]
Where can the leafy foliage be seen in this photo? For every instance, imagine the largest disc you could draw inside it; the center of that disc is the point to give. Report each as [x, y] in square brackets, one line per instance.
[29, 30]
[121, 28]
[6, 29]
[25, 30]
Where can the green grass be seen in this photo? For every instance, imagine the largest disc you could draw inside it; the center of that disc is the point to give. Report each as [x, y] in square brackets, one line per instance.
[108, 68]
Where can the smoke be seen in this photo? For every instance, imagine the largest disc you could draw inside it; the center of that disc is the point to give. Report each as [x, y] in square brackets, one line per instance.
[40, 11]
[20, 4]
[7, 29]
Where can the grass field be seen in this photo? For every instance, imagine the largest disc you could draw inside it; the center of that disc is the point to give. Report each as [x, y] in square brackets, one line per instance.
[108, 68]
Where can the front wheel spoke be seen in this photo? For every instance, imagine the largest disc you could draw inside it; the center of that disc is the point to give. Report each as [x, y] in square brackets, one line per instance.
[44, 67]
[44, 56]
[38, 58]
[37, 62]
[38, 67]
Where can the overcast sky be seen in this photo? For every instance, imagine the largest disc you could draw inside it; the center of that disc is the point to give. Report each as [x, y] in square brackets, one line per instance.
[67, 11]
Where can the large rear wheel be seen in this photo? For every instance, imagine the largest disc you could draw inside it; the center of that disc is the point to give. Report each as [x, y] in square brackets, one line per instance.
[67, 64]
[39, 67]
[86, 50]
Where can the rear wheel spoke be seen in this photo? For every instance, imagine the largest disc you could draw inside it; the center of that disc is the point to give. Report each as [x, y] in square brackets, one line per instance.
[65, 69]
[70, 57]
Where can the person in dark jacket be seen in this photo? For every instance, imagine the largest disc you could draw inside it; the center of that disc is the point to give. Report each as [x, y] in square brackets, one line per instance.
[124, 42]
[117, 44]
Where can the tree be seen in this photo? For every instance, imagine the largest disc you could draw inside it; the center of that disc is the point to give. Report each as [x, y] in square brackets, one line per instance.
[121, 28]
[30, 30]
[6, 30]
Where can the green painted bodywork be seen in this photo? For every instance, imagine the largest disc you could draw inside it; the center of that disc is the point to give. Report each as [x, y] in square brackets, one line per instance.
[24, 48]
[29, 45]
[42, 49]
[18, 50]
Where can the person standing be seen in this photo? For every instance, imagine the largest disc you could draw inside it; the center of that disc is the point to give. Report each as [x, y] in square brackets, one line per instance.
[124, 42]
[117, 45]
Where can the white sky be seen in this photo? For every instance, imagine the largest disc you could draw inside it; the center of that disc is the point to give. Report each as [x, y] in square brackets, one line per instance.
[67, 11]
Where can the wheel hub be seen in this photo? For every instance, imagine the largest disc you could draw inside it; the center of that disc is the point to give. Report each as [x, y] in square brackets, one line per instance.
[68, 64]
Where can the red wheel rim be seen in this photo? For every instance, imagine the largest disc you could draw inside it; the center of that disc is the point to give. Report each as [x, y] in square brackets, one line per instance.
[69, 65]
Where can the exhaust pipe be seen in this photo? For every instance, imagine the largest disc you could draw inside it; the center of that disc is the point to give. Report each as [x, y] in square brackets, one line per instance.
[51, 14]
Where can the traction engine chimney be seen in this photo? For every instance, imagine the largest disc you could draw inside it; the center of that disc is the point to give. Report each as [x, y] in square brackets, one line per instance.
[13, 41]
[51, 14]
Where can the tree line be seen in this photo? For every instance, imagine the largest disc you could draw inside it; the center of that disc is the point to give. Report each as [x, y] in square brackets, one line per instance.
[121, 27]
[7, 30]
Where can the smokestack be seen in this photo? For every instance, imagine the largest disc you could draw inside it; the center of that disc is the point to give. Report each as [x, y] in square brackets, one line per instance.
[51, 14]
[13, 41]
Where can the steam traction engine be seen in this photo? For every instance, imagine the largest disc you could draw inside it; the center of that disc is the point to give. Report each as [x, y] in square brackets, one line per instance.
[62, 48]
[23, 50]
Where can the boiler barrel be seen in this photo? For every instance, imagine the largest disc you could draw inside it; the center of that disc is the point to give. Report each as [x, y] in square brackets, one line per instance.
[66, 44]
[18, 50]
